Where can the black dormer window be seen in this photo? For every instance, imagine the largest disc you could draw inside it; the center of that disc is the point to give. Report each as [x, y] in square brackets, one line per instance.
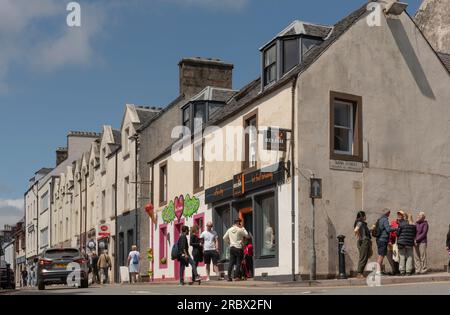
[199, 111]
[270, 65]
[291, 54]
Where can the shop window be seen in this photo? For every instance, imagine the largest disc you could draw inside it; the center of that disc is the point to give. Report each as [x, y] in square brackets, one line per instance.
[163, 247]
[266, 240]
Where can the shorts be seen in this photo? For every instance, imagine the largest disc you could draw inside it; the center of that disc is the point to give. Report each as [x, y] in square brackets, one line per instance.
[211, 255]
[382, 248]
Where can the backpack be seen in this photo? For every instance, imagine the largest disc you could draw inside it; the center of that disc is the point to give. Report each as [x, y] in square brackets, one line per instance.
[135, 259]
[174, 253]
[376, 231]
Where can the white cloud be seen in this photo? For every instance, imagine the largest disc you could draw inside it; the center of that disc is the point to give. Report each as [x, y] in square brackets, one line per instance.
[35, 33]
[11, 211]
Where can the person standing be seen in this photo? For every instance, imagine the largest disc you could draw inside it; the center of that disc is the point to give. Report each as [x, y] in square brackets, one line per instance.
[420, 247]
[364, 243]
[234, 236]
[400, 220]
[94, 264]
[104, 264]
[382, 232]
[197, 247]
[448, 247]
[184, 257]
[406, 236]
[210, 249]
[133, 264]
[24, 277]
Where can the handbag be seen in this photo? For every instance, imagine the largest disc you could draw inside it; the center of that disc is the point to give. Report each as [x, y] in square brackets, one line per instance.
[395, 253]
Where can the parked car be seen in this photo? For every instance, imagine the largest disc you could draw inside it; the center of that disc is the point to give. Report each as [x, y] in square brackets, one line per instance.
[7, 278]
[58, 265]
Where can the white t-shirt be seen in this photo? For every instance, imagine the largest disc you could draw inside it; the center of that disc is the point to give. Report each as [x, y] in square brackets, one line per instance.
[132, 254]
[210, 238]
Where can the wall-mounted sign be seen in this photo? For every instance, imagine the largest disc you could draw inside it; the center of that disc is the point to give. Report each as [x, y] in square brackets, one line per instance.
[350, 166]
[103, 231]
[238, 185]
[179, 207]
[243, 183]
[275, 139]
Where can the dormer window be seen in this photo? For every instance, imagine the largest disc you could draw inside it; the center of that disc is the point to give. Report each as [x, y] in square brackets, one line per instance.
[270, 65]
[291, 54]
[199, 111]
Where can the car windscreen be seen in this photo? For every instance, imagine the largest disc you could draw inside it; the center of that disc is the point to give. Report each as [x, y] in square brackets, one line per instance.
[61, 253]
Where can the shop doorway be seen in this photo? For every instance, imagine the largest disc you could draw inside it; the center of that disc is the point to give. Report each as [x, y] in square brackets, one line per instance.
[245, 212]
[176, 235]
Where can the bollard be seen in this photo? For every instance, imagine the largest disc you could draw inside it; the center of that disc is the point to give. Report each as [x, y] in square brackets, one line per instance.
[341, 252]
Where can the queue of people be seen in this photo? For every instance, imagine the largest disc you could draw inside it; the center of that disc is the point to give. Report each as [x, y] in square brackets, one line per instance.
[403, 242]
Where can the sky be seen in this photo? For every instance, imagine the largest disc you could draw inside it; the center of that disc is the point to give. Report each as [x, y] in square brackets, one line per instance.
[55, 78]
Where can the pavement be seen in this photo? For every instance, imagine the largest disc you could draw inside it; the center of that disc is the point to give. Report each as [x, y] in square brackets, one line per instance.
[435, 284]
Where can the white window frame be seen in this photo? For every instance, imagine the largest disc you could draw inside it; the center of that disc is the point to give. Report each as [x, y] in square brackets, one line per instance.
[351, 128]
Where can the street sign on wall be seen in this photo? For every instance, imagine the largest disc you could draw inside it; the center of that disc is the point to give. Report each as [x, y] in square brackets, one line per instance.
[103, 231]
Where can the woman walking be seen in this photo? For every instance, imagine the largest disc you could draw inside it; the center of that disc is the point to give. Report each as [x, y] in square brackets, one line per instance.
[362, 233]
[406, 235]
[133, 263]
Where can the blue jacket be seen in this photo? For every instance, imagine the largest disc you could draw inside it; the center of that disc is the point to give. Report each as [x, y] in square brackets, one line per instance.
[384, 228]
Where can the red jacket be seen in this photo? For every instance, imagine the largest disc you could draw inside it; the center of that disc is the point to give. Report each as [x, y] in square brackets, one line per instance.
[248, 250]
[393, 235]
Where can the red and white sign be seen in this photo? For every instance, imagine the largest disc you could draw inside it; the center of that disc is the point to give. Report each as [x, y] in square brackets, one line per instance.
[103, 231]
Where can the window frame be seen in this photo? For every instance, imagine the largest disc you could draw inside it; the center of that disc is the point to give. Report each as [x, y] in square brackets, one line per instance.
[273, 64]
[246, 161]
[357, 137]
[164, 251]
[298, 40]
[197, 167]
[163, 196]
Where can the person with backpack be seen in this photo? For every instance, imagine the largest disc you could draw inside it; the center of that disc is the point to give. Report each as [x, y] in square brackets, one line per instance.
[364, 243]
[184, 257]
[406, 235]
[381, 233]
[133, 264]
[104, 264]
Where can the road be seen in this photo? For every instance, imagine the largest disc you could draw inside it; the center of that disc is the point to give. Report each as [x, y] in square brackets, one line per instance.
[406, 289]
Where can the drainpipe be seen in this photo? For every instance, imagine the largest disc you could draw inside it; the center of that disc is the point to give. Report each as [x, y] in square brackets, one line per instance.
[294, 85]
[153, 223]
[81, 213]
[37, 219]
[116, 243]
[136, 142]
[86, 208]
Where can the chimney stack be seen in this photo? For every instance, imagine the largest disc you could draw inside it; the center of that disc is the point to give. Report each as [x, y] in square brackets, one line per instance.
[198, 73]
[61, 155]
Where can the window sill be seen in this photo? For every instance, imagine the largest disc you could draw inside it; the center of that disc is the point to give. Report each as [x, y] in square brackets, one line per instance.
[345, 157]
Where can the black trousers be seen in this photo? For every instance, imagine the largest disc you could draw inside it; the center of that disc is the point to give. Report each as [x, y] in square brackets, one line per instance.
[236, 256]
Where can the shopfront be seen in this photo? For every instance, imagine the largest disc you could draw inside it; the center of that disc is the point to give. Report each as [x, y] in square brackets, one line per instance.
[252, 197]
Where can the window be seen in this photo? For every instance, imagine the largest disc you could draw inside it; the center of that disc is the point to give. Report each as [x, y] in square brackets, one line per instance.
[103, 204]
[346, 127]
[44, 202]
[113, 197]
[251, 141]
[199, 167]
[213, 108]
[187, 117]
[104, 160]
[163, 183]
[126, 192]
[291, 54]
[222, 224]
[44, 237]
[270, 65]
[308, 43]
[199, 115]
[126, 141]
[163, 245]
[266, 241]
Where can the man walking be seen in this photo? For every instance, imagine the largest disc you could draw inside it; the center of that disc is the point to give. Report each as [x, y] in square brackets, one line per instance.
[24, 277]
[382, 232]
[94, 264]
[420, 248]
[234, 236]
[104, 264]
[210, 249]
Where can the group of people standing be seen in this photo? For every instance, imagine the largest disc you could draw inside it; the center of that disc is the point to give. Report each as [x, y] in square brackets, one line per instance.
[402, 241]
[205, 248]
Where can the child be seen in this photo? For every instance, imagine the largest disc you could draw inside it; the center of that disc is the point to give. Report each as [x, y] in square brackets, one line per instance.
[448, 247]
[248, 258]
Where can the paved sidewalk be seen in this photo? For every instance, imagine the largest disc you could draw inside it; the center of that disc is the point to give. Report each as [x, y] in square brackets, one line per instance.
[385, 280]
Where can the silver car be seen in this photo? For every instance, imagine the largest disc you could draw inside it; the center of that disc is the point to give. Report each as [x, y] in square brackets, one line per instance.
[62, 266]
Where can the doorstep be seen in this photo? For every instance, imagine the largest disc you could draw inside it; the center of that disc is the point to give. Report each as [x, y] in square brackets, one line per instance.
[385, 280]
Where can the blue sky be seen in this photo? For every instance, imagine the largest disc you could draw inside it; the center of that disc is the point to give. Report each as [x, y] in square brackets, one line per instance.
[54, 78]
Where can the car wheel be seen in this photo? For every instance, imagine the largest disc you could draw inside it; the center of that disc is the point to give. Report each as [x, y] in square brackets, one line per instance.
[84, 284]
[41, 285]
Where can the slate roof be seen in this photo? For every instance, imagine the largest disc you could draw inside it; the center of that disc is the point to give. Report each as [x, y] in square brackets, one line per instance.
[445, 58]
[146, 113]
